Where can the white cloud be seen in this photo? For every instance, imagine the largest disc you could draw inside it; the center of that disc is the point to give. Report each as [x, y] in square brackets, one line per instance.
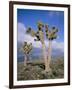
[58, 45]
[22, 36]
[21, 30]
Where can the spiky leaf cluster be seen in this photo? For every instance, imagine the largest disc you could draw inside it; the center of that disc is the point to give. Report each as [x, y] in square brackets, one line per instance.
[51, 34]
[39, 34]
[27, 48]
[40, 25]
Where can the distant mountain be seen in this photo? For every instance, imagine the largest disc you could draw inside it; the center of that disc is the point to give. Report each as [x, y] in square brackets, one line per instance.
[36, 53]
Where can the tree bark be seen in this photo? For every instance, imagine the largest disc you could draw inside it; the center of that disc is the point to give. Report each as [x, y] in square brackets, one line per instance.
[25, 60]
[45, 56]
[49, 53]
[44, 51]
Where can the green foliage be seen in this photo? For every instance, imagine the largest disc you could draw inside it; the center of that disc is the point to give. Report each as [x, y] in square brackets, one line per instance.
[27, 48]
[28, 30]
[31, 32]
[51, 34]
[40, 25]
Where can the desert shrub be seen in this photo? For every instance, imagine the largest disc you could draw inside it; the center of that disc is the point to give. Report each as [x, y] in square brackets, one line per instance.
[41, 66]
[48, 75]
[35, 71]
[58, 68]
[30, 73]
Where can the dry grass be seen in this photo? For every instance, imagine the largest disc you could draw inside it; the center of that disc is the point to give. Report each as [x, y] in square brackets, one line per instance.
[34, 70]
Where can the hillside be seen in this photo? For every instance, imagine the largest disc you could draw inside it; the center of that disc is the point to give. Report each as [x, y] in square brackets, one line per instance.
[35, 70]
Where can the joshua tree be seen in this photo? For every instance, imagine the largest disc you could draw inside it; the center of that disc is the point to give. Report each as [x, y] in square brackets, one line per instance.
[26, 49]
[51, 35]
[39, 37]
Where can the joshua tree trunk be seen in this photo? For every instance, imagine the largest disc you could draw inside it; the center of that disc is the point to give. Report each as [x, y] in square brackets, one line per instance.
[44, 50]
[45, 56]
[49, 54]
[25, 60]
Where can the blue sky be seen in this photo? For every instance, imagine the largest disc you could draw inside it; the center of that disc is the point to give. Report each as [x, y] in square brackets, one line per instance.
[30, 17]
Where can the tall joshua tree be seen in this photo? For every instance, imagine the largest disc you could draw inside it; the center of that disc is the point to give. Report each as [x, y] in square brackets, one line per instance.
[51, 35]
[26, 49]
[39, 37]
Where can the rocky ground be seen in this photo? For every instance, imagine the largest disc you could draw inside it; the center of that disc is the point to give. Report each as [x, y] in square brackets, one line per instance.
[35, 71]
